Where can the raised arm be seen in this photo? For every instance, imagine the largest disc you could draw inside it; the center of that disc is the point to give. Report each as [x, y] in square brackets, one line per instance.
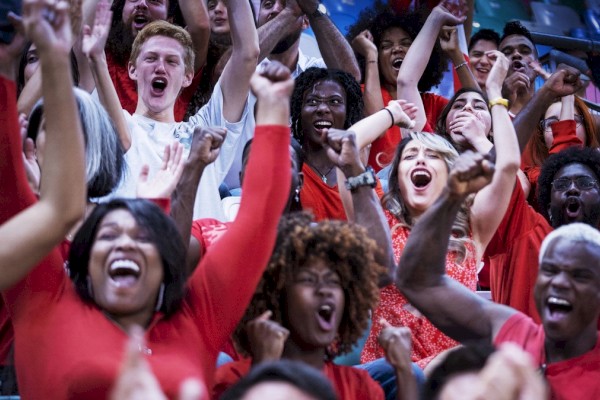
[334, 47]
[421, 273]
[235, 263]
[416, 59]
[490, 204]
[33, 233]
[287, 21]
[205, 148]
[235, 80]
[561, 83]
[449, 41]
[343, 152]
[363, 45]
[197, 23]
[93, 42]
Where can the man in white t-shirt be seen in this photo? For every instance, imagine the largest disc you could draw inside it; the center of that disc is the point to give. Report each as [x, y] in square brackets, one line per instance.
[161, 63]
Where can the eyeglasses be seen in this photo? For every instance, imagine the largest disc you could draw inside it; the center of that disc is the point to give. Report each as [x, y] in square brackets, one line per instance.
[581, 182]
[546, 123]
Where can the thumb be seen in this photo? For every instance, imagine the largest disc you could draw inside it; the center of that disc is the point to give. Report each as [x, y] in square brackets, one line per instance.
[384, 324]
[133, 354]
[265, 316]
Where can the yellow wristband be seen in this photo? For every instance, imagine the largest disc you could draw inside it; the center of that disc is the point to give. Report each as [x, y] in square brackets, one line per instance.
[499, 101]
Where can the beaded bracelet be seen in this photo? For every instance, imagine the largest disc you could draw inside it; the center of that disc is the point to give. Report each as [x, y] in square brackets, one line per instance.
[462, 64]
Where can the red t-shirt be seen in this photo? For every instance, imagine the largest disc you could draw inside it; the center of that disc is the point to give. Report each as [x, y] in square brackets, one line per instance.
[320, 198]
[383, 149]
[127, 89]
[349, 383]
[68, 349]
[513, 253]
[575, 378]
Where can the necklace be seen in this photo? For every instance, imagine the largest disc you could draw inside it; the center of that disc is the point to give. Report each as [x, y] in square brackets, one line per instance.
[323, 175]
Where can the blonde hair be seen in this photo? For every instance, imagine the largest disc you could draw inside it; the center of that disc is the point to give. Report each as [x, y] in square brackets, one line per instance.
[394, 202]
[164, 28]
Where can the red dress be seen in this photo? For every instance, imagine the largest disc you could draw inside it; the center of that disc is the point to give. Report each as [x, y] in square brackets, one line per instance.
[382, 149]
[68, 349]
[427, 340]
[349, 383]
[574, 378]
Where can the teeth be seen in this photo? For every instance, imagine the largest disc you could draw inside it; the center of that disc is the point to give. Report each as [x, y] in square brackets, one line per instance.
[559, 302]
[323, 124]
[326, 308]
[125, 264]
[421, 173]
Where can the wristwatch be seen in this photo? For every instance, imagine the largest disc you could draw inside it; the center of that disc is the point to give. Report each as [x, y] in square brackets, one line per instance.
[321, 10]
[367, 178]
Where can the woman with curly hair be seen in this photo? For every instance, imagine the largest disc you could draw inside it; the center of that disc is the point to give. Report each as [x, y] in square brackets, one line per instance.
[383, 39]
[322, 99]
[312, 303]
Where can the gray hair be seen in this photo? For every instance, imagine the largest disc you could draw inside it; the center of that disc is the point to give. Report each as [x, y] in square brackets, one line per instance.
[104, 155]
[575, 232]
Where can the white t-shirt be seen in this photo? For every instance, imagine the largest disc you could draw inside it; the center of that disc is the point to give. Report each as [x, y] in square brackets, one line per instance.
[149, 138]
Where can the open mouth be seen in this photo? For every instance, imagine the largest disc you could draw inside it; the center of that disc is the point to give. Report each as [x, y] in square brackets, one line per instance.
[518, 66]
[482, 70]
[325, 316]
[572, 207]
[124, 272]
[396, 63]
[159, 85]
[420, 178]
[558, 307]
[139, 21]
[319, 125]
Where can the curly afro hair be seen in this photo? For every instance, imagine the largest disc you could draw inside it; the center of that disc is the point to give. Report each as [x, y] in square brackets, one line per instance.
[345, 248]
[308, 79]
[380, 17]
[586, 156]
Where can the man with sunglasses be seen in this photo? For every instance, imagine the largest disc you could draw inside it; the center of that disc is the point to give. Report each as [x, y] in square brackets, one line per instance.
[568, 192]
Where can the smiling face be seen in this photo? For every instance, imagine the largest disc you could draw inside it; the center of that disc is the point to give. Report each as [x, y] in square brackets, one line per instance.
[394, 44]
[139, 13]
[520, 52]
[472, 103]
[315, 305]
[575, 204]
[323, 107]
[567, 290]
[125, 269]
[217, 14]
[553, 114]
[480, 63]
[160, 73]
[422, 175]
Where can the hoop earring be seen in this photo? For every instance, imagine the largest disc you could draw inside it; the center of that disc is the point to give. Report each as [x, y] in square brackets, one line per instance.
[161, 296]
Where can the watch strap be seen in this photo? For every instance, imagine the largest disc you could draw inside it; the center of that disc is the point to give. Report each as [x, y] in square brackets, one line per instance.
[367, 178]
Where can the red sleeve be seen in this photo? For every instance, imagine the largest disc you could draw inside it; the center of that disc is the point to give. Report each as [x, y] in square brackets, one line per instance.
[433, 105]
[224, 282]
[228, 374]
[521, 330]
[16, 193]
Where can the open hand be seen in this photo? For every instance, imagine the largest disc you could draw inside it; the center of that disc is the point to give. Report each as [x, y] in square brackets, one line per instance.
[468, 126]
[470, 173]
[166, 178]
[266, 338]
[48, 26]
[404, 113]
[94, 39]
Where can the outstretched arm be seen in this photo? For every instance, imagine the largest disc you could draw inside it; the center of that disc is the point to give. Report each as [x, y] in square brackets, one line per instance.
[416, 59]
[422, 269]
[363, 45]
[561, 83]
[197, 23]
[235, 80]
[343, 152]
[290, 19]
[93, 42]
[334, 47]
[491, 202]
[33, 233]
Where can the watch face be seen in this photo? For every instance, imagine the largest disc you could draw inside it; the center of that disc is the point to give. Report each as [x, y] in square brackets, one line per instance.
[322, 9]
